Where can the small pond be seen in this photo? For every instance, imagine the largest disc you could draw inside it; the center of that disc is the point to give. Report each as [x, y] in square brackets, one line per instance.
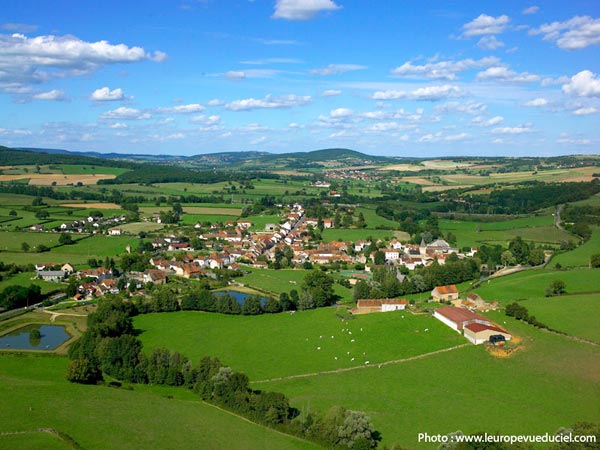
[34, 337]
[239, 296]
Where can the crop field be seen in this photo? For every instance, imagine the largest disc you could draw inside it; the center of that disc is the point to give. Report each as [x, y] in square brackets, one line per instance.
[277, 345]
[155, 417]
[96, 205]
[580, 257]
[533, 284]
[40, 179]
[466, 389]
[555, 175]
[577, 315]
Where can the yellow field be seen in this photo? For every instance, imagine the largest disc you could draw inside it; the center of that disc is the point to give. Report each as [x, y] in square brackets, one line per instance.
[557, 175]
[59, 179]
[444, 188]
[98, 205]
[403, 167]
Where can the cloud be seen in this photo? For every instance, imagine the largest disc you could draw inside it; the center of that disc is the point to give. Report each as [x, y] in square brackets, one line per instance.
[488, 123]
[536, 102]
[585, 111]
[457, 137]
[25, 60]
[489, 43]
[268, 102]
[54, 94]
[513, 130]
[554, 81]
[485, 24]
[260, 62]
[181, 109]
[573, 34]
[574, 141]
[124, 113]
[583, 84]
[215, 102]
[104, 94]
[235, 75]
[331, 93]
[340, 113]
[302, 9]
[443, 70]
[431, 93]
[336, 69]
[531, 10]
[118, 125]
[503, 74]
[470, 107]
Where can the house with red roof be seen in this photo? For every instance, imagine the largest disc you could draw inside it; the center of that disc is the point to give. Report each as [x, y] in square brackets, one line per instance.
[477, 329]
[366, 306]
[445, 293]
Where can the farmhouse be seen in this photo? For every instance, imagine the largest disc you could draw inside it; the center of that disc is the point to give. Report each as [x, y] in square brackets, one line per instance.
[379, 305]
[445, 293]
[479, 333]
[458, 318]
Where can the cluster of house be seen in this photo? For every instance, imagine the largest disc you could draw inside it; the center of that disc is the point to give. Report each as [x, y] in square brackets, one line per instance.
[94, 224]
[352, 174]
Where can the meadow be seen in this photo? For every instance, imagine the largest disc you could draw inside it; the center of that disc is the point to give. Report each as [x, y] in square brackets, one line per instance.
[278, 345]
[28, 278]
[94, 416]
[577, 315]
[580, 256]
[355, 234]
[533, 284]
[551, 382]
[10, 241]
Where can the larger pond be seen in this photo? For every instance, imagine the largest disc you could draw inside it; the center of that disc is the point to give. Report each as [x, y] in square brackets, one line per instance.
[239, 296]
[34, 337]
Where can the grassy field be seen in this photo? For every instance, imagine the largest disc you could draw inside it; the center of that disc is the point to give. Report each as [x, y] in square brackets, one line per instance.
[577, 315]
[580, 257]
[353, 234]
[274, 345]
[28, 278]
[10, 241]
[259, 221]
[373, 220]
[277, 281]
[94, 416]
[193, 219]
[533, 284]
[68, 169]
[537, 228]
[466, 389]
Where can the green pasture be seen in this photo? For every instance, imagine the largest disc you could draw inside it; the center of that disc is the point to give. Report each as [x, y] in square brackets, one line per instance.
[28, 278]
[75, 169]
[357, 234]
[33, 439]
[21, 220]
[193, 219]
[15, 199]
[533, 284]
[577, 315]
[10, 241]
[538, 229]
[276, 281]
[259, 221]
[137, 227]
[373, 220]
[274, 345]
[94, 416]
[580, 257]
[552, 382]
[96, 246]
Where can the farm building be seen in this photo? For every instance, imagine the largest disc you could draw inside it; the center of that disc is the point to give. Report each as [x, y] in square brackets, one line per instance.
[458, 318]
[479, 333]
[445, 293]
[51, 275]
[379, 305]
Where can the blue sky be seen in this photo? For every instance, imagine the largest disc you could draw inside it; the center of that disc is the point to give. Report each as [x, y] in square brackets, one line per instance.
[395, 78]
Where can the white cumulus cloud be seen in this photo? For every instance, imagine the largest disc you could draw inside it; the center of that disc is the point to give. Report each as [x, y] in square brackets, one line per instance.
[536, 102]
[431, 93]
[585, 111]
[442, 70]
[269, 102]
[489, 42]
[341, 112]
[584, 84]
[513, 130]
[485, 24]
[504, 74]
[573, 34]
[104, 94]
[331, 93]
[124, 113]
[531, 10]
[302, 9]
[182, 109]
[25, 60]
